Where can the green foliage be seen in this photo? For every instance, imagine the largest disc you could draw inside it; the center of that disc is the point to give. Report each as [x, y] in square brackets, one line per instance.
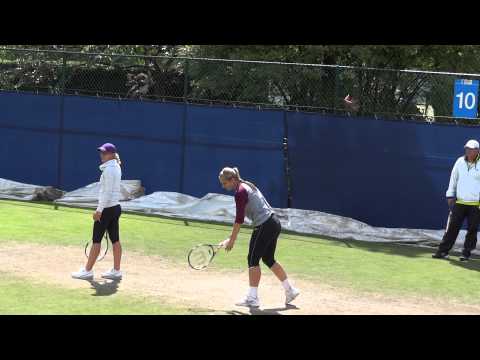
[379, 92]
[102, 73]
[130, 71]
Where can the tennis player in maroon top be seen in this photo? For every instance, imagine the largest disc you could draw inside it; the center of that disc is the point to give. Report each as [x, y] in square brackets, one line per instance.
[251, 203]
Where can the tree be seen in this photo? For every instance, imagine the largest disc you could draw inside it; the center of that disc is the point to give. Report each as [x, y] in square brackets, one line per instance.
[103, 73]
[141, 73]
[375, 91]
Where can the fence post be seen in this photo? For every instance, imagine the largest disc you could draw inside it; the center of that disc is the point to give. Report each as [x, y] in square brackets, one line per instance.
[64, 71]
[184, 128]
[61, 123]
[185, 81]
[335, 92]
[183, 144]
[286, 160]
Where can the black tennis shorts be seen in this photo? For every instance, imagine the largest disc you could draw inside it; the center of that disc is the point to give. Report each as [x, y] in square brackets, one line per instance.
[264, 242]
[108, 222]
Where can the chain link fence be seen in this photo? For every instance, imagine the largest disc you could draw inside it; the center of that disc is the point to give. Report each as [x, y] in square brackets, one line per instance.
[386, 93]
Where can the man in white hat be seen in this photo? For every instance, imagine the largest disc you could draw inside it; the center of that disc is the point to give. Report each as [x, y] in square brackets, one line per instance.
[463, 197]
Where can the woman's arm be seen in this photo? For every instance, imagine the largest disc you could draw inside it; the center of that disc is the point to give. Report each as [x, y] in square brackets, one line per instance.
[105, 190]
[230, 242]
[105, 193]
[241, 199]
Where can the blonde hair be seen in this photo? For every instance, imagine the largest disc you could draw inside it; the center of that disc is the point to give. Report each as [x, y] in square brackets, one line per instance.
[228, 173]
[117, 157]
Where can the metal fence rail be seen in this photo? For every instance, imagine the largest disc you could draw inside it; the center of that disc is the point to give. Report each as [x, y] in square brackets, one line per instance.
[356, 91]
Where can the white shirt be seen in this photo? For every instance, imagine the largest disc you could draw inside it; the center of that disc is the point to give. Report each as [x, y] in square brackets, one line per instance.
[465, 181]
[109, 193]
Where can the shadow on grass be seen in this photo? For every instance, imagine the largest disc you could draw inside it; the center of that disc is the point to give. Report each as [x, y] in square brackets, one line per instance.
[472, 264]
[105, 288]
[259, 311]
[407, 250]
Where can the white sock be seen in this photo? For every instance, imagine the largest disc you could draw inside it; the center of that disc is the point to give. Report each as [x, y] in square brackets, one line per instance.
[253, 292]
[286, 285]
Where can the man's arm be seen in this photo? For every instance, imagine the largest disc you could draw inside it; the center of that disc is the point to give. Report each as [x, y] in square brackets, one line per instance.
[452, 186]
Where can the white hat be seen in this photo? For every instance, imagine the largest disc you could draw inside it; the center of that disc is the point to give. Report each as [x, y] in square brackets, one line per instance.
[472, 144]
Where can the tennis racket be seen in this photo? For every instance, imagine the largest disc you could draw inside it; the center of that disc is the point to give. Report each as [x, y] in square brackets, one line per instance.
[103, 248]
[200, 256]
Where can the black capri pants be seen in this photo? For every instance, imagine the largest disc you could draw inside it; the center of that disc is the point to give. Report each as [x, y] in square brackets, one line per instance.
[108, 222]
[264, 242]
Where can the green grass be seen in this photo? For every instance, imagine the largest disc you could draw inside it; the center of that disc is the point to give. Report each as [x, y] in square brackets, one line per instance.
[20, 296]
[367, 267]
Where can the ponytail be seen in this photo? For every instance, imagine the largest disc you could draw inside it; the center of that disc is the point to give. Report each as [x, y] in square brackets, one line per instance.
[117, 157]
[252, 185]
[233, 173]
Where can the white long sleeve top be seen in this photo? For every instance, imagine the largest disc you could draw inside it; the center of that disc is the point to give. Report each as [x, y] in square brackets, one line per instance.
[465, 181]
[109, 193]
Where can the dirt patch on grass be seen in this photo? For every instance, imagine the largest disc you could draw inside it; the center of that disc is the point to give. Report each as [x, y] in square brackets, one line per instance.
[213, 291]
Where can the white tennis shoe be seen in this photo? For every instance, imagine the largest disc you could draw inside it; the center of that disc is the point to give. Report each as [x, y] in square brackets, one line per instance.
[112, 274]
[249, 301]
[290, 295]
[83, 274]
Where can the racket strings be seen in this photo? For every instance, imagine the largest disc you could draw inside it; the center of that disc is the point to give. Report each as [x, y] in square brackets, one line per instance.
[200, 256]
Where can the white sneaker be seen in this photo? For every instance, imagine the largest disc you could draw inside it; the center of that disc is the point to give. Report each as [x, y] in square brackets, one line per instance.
[290, 295]
[249, 301]
[83, 274]
[112, 275]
